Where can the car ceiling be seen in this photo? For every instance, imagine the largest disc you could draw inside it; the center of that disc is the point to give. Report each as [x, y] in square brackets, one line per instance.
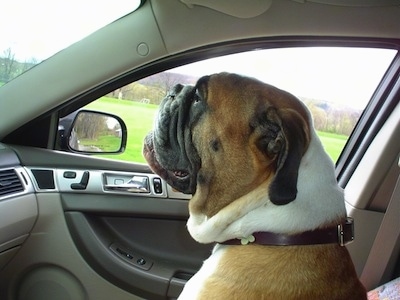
[161, 29]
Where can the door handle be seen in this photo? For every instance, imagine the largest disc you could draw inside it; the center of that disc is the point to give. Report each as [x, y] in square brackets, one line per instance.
[137, 184]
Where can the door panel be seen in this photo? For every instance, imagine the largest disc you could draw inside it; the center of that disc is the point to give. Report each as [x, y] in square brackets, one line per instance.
[140, 255]
[49, 266]
[93, 242]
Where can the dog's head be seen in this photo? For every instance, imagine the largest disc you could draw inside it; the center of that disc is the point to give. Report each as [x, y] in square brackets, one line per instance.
[224, 137]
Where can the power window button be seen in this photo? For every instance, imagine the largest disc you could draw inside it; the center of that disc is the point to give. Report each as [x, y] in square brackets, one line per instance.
[69, 174]
[130, 257]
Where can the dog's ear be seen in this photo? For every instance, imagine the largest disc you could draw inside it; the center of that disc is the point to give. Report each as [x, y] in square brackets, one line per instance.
[284, 139]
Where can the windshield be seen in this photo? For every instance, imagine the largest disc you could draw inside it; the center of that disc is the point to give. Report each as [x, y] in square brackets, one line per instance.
[32, 31]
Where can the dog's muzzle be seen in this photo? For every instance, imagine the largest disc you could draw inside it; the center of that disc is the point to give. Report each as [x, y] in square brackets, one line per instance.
[169, 148]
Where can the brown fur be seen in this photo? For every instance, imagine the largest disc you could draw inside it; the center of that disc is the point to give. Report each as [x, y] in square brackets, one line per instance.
[239, 165]
[289, 272]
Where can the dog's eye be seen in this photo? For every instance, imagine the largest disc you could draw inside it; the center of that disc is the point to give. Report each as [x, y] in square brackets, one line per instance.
[215, 145]
[196, 97]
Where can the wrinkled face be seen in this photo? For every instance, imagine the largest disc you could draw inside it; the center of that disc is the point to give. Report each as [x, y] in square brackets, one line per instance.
[225, 136]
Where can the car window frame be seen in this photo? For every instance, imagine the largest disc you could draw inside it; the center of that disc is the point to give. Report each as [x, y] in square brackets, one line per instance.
[343, 164]
[243, 46]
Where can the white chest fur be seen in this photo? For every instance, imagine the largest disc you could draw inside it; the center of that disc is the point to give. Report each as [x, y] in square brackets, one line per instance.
[195, 284]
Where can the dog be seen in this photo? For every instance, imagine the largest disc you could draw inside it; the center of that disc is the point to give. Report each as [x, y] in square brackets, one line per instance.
[264, 190]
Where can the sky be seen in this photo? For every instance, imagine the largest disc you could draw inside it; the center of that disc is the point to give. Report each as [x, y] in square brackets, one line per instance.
[37, 29]
[347, 76]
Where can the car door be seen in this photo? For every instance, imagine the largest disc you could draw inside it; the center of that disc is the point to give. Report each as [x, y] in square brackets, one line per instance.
[101, 241]
[108, 227]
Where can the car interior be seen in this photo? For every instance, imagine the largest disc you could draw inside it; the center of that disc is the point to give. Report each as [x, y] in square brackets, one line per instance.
[79, 223]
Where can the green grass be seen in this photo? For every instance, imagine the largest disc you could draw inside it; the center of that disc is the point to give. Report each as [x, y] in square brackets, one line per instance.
[139, 119]
[106, 143]
[333, 143]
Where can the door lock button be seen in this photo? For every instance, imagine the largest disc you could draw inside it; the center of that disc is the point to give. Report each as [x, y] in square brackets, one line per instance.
[157, 185]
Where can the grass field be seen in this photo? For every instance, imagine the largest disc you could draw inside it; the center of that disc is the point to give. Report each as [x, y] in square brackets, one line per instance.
[139, 119]
[333, 143]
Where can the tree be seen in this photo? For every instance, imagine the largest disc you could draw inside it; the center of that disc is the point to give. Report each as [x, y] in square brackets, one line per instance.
[332, 118]
[29, 64]
[319, 116]
[90, 125]
[7, 65]
[10, 67]
[168, 81]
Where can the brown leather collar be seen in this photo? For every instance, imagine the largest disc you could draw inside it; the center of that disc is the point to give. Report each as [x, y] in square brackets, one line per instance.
[341, 234]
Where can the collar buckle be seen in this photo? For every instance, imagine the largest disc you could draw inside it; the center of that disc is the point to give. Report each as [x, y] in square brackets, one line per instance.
[346, 232]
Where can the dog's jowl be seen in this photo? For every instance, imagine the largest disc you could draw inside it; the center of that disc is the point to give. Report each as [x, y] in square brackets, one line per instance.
[264, 191]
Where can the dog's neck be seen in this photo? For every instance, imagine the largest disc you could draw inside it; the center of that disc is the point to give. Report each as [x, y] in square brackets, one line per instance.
[319, 202]
[341, 234]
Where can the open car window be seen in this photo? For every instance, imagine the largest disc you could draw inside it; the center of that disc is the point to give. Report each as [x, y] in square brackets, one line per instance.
[336, 84]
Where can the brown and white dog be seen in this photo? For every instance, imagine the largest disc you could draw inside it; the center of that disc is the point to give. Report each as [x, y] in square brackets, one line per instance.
[263, 189]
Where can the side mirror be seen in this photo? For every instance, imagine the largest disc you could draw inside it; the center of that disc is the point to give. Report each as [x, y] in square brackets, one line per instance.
[94, 132]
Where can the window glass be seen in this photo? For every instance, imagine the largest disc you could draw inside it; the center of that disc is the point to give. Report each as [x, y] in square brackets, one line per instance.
[335, 83]
[32, 31]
